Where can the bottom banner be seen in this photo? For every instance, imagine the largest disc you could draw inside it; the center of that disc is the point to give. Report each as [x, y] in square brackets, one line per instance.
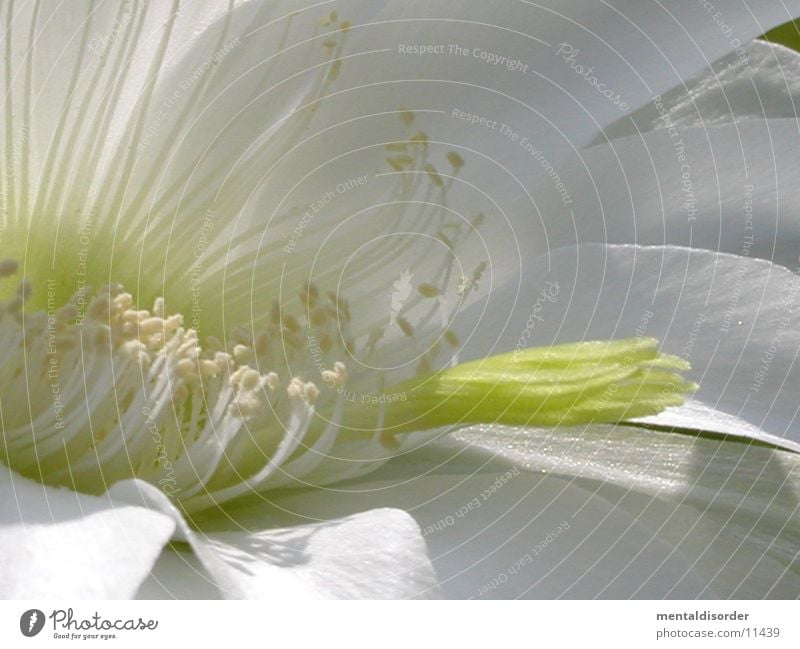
[398, 624]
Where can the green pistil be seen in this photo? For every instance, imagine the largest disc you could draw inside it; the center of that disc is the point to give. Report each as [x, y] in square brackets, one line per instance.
[564, 385]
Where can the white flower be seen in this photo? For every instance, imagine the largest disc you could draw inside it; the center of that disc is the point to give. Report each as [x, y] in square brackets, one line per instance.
[270, 172]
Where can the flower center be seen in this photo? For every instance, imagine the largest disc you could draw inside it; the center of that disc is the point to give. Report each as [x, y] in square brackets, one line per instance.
[95, 389]
[87, 399]
[90, 398]
[315, 389]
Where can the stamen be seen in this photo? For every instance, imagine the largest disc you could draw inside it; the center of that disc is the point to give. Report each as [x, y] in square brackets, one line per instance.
[143, 399]
[115, 392]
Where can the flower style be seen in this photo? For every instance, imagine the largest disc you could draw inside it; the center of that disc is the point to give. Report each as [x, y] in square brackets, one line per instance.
[325, 230]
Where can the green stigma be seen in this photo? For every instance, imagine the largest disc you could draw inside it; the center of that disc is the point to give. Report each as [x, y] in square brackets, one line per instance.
[563, 385]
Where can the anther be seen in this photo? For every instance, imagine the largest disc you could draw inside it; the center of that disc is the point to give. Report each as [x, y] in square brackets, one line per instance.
[452, 338]
[335, 377]
[434, 175]
[8, 267]
[243, 354]
[159, 307]
[290, 322]
[261, 343]
[307, 392]
[388, 440]
[428, 290]
[325, 344]
[455, 160]
[318, 317]
[310, 294]
[421, 137]
[405, 326]
[330, 19]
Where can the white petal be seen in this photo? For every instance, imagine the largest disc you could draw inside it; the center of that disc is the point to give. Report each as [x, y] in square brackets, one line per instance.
[210, 133]
[727, 188]
[178, 574]
[552, 107]
[496, 532]
[58, 544]
[735, 319]
[372, 554]
[211, 140]
[730, 508]
[637, 51]
[73, 78]
[695, 415]
[760, 80]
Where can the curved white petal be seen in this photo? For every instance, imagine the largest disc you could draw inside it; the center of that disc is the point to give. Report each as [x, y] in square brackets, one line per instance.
[155, 189]
[760, 80]
[178, 574]
[185, 110]
[735, 319]
[75, 77]
[728, 188]
[58, 544]
[545, 102]
[232, 123]
[731, 508]
[494, 531]
[635, 50]
[377, 554]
